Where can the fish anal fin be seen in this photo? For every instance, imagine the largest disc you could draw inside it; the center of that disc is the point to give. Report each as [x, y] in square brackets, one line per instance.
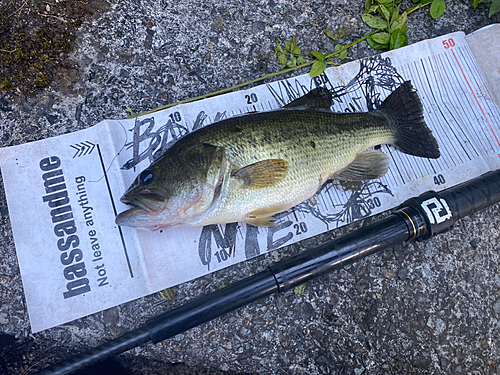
[264, 217]
[262, 221]
[319, 97]
[262, 174]
[368, 165]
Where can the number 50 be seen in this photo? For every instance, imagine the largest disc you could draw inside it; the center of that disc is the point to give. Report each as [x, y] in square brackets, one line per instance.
[448, 43]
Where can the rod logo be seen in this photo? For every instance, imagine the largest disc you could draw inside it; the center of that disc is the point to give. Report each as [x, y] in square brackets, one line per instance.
[437, 210]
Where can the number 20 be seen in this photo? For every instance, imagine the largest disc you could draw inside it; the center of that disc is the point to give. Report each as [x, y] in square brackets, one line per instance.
[448, 43]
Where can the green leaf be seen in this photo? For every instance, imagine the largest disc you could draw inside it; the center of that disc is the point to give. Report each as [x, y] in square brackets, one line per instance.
[282, 60]
[376, 45]
[288, 46]
[340, 33]
[384, 1]
[368, 3]
[342, 55]
[415, 1]
[168, 294]
[495, 7]
[300, 60]
[317, 68]
[318, 55]
[437, 8]
[476, 3]
[299, 289]
[330, 34]
[374, 22]
[381, 38]
[292, 62]
[385, 12]
[398, 39]
[278, 48]
[373, 9]
[399, 22]
[296, 50]
[226, 284]
[129, 110]
[395, 14]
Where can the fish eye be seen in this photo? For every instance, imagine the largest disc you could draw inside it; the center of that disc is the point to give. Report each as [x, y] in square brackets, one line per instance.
[146, 177]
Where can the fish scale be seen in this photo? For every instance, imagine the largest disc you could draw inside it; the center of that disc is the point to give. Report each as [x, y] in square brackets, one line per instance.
[250, 167]
[287, 134]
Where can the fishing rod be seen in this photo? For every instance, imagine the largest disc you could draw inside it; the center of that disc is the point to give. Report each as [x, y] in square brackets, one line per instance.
[418, 219]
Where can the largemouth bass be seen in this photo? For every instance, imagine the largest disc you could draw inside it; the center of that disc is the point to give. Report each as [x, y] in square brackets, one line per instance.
[251, 167]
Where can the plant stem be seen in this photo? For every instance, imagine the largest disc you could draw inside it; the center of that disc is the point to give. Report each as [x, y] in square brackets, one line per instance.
[417, 7]
[270, 75]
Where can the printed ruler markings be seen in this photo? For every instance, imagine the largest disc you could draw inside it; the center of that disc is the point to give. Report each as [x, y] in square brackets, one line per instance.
[435, 91]
[397, 167]
[475, 97]
[125, 251]
[427, 96]
[487, 145]
[465, 108]
[392, 181]
[331, 195]
[443, 110]
[321, 198]
[424, 89]
[241, 231]
[432, 113]
[493, 109]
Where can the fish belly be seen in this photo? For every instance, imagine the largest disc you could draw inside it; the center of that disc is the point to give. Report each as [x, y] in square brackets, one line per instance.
[312, 161]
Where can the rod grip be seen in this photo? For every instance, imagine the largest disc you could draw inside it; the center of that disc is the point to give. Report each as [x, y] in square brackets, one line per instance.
[441, 210]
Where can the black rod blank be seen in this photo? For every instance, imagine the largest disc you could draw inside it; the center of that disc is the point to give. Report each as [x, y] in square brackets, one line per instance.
[418, 218]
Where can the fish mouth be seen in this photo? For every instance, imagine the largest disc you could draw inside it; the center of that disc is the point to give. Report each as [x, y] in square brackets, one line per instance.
[146, 207]
[139, 218]
[151, 201]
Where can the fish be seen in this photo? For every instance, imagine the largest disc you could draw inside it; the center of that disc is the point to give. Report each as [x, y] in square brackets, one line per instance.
[250, 167]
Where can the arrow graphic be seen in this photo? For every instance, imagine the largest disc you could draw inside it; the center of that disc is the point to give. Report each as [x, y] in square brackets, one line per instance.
[83, 148]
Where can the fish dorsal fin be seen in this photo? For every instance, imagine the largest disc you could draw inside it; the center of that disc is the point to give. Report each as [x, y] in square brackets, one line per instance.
[320, 97]
[368, 165]
[262, 174]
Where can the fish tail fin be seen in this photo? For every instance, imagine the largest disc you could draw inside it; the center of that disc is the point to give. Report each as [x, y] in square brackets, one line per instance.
[406, 116]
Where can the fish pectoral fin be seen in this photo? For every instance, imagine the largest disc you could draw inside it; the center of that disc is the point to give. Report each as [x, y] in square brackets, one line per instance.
[264, 217]
[262, 174]
[368, 165]
[320, 97]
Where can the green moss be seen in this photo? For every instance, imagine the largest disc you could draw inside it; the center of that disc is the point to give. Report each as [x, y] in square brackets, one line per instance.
[34, 46]
[42, 79]
[5, 85]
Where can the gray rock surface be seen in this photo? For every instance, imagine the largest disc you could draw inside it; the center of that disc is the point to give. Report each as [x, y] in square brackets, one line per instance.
[431, 307]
